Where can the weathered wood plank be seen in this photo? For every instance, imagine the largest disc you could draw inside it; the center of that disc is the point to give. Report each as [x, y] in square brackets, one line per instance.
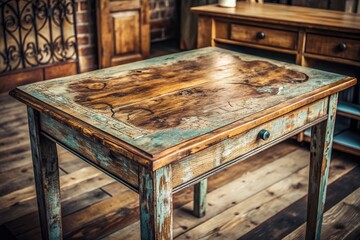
[22, 176]
[339, 222]
[22, 201]
[94, 151]
[200, 191]
[292, 217]
[320, 155]
[84, 215]
[103, 217]
[28, 226]
[199, 163]
[46, 171]
[245, 215]
[156, 207]
[27, 193]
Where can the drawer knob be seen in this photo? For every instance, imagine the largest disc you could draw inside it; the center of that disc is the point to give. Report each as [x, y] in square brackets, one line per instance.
[260, 35]
[342, 47]
[264, 134]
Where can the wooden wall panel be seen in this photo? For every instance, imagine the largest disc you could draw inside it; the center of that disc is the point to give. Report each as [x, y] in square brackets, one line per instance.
[123, 31]
[61, 70]
[10, 81]
[126, 31]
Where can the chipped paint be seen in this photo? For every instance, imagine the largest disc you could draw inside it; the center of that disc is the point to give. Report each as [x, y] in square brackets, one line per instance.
[200, 190]
[203, 86]
[93, 151]
[232, 148]
[156, 204]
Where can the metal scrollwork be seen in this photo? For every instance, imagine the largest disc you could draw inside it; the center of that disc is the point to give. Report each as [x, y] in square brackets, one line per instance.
[36, 32]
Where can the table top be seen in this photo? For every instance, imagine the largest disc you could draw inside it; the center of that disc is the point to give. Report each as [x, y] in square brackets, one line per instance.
[166, 108]
[284, 14]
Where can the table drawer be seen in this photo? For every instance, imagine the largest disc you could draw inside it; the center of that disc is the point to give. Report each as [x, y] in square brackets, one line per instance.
[346, 48]
[241, 145]
[264, 36]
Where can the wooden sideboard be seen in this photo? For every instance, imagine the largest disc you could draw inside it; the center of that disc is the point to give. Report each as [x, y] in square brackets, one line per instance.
[316, 38]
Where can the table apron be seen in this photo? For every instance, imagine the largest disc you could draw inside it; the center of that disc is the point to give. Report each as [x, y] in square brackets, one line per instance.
[92, 151]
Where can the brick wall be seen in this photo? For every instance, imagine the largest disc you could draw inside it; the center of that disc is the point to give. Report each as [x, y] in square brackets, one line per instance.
[163, 18]
[86, 31]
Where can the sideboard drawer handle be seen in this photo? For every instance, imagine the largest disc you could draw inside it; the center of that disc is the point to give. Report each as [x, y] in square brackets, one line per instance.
[342, 47]
[260, 35]
[264, 134]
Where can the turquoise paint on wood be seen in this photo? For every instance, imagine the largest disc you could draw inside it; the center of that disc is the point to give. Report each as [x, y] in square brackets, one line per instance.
[46, 172]
[108, 161]
[320, 156]
[156, 207]
[200, 190]
[220, 75]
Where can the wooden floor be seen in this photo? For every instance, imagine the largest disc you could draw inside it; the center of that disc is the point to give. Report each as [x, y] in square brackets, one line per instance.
[261, 198]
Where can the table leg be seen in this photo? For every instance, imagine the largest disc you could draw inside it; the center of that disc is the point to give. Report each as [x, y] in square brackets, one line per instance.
[200, 198]
[46, 171]
[320, 154]
[156, 208]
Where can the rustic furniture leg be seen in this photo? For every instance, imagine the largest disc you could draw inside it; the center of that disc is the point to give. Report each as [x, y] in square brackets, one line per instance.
[156, 208]
[320, 154]
[46, 171]
[200, 198]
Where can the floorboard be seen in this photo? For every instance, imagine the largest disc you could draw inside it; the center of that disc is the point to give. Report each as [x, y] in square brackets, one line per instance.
[292, 217]
[262, 197]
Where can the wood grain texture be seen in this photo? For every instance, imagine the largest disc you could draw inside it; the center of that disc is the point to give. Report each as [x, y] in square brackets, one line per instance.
[46, 171]
[270, 37]
[283, 14]
[330, 46]
[277, 227]
[202, 162]
[156, 207]
[320, 155]
[104, 158]
[123, 28]
[209, 95]
[340, 222]
[205, 32]
[60, 70]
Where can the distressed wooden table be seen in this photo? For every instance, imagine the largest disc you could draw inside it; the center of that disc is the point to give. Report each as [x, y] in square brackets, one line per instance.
[160, 125]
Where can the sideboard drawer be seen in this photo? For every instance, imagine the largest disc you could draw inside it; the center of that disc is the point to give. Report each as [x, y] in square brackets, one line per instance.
[346, 48]
[264, 36]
